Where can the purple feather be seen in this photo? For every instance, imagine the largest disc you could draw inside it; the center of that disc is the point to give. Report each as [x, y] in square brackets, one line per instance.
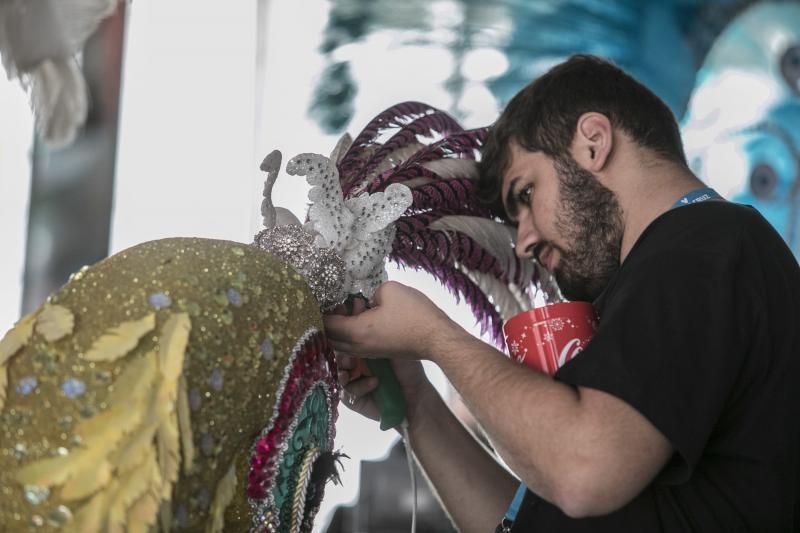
[416, 245]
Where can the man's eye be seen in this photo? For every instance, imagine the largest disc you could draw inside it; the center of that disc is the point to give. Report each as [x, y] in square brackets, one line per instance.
[524, 195]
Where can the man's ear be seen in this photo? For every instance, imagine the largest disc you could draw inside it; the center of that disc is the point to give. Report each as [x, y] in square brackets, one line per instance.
[593, 141]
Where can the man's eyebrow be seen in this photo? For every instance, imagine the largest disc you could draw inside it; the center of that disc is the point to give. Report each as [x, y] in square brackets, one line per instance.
[511, 201]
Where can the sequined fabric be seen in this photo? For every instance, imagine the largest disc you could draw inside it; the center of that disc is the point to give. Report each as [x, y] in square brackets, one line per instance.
[138, 392]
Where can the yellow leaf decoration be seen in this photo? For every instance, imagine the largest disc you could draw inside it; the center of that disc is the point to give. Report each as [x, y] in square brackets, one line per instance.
[91, 518]
[185, 426]
[142, 513]
[120, 340]
[222, 498]
[172, 345]
[3, 385]
[169, 453]
[128, 404]
[56, 470]
[132, 486]
[131, 455]
[55, 322]
[87, 481]
[16, 338]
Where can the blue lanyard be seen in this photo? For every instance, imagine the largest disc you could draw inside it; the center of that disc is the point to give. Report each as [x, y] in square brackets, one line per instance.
[697, 196]
[694, 197]
[513, 509]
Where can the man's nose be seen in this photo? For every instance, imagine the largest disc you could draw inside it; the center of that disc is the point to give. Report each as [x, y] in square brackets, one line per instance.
[527, 238]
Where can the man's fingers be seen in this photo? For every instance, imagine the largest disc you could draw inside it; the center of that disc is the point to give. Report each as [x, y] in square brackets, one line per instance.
[361, 387]
[337, 327]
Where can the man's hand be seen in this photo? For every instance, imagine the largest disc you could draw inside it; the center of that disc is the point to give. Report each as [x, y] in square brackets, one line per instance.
[356, 332]
[402, 324]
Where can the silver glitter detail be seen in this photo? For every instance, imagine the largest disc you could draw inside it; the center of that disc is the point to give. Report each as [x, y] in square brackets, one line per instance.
[159, 300]
[73, 388]
[27, 385]
[322, 269]
[360, 229]
[59, 516]
[20, 450]
[36, 494]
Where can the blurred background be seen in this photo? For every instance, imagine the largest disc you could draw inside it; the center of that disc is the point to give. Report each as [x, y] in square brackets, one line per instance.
[187, 96]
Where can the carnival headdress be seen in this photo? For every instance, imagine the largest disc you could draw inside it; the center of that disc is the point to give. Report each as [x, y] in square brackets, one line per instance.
[403, 189]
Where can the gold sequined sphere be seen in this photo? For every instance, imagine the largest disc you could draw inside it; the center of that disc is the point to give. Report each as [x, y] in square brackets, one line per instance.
[145, 380]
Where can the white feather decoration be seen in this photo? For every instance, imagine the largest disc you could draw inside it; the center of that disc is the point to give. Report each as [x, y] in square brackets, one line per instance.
[495, 238]
[453, 168]
[507, 302]
[39, 41]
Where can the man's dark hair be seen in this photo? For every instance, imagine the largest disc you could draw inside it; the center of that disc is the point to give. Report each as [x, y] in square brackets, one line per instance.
[543, 116]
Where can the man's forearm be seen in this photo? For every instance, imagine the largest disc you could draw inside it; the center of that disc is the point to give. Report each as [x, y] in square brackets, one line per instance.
[473, 487]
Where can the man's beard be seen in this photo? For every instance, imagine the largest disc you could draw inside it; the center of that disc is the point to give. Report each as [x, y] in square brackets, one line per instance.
[590, 220]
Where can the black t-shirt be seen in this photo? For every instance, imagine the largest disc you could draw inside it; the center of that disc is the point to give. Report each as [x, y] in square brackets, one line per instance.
[699, 332]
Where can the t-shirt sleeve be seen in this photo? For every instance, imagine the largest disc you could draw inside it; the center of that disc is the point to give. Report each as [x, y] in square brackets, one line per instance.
[670, 343]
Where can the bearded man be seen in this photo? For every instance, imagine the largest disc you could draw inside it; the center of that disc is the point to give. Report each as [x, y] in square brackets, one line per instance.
[682, 413]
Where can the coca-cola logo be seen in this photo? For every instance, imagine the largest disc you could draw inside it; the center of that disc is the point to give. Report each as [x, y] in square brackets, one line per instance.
[570, 350]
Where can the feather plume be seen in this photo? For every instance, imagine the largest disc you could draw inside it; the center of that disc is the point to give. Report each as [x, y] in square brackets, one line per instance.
[118, 341]
[446, 231]
[60, 99]
[222, 498]
[453, 168]
[495, 238]
[54, 322]
[500, 294]
[38, 42]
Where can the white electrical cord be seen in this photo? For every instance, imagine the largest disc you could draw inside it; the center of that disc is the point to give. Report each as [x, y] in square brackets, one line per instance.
[410, 459]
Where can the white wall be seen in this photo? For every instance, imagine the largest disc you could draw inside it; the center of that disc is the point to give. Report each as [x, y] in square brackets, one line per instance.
[16, 143]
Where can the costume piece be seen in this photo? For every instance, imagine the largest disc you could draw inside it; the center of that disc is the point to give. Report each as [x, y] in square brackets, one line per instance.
[183, 383]
[698, 332]
[445, 231]
[404, 188]
[39, 44]
[187, 383]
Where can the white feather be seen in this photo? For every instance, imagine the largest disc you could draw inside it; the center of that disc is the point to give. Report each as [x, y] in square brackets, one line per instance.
[505, 300]
[495, 238]
[59, 99]
[453, 168]
[38, 43]
[342, 145]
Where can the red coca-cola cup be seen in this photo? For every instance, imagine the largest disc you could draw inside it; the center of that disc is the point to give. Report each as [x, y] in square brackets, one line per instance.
[547, 337]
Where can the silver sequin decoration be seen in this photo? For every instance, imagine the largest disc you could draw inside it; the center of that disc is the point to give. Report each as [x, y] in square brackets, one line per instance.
[322, 269]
